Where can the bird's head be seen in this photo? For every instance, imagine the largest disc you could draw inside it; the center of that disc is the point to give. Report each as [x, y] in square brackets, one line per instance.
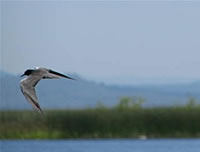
[27, 72]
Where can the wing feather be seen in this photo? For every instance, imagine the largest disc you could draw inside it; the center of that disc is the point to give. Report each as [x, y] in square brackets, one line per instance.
[30, 95]
[59, 74]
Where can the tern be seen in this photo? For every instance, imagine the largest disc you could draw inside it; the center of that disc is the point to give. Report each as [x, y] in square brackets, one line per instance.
[28, 84]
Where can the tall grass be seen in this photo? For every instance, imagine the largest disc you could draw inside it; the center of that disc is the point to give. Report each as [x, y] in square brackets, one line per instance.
[128, 119]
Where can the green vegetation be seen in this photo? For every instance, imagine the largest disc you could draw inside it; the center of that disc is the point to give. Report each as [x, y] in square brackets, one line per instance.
[128, 119]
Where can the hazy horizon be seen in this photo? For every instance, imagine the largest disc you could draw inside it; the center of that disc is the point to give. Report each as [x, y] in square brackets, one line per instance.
[149, 42]
[129, 81]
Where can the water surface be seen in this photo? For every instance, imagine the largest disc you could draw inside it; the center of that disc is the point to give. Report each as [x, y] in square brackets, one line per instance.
[116, 145]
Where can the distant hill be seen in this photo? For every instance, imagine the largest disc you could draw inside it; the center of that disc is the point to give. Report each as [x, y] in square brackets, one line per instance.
[64, 93]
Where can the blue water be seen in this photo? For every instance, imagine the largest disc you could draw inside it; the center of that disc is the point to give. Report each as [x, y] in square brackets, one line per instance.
[122, 145]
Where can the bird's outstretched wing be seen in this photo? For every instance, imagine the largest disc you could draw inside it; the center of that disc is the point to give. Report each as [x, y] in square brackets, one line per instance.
[29, 93]
[60, 74]
[53, 74]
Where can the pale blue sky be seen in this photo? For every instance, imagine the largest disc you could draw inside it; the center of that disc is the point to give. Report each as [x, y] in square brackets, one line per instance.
[114, 42]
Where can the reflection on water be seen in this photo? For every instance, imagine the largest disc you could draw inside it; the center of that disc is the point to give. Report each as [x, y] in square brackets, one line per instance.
[116, 145]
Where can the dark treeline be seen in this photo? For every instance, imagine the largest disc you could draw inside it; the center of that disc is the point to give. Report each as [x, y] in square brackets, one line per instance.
[128, 119]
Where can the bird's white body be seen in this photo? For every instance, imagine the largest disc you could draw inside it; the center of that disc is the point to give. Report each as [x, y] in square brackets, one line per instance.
[34, 76]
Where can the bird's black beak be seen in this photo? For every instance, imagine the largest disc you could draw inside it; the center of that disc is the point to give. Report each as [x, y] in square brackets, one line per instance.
[22, 75]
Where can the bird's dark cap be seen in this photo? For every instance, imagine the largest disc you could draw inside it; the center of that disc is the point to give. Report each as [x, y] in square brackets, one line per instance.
[27, 72]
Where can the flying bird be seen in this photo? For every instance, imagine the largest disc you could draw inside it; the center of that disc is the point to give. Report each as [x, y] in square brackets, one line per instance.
[28, 84]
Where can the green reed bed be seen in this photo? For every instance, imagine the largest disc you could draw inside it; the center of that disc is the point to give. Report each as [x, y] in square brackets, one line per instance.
[101, 122]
